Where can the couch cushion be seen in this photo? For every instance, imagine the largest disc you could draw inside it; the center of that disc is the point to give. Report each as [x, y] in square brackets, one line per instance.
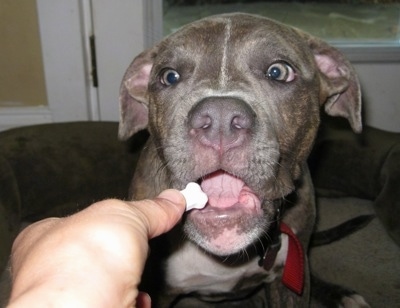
[61, 168]
[10, 210]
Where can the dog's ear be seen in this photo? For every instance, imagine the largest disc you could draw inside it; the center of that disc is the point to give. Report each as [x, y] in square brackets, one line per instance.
[133, 97]
[340, 88]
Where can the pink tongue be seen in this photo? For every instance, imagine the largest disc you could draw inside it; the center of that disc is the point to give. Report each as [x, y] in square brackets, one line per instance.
[223, 190]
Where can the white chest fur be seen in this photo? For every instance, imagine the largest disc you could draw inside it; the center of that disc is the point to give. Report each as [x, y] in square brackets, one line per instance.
[191, 269]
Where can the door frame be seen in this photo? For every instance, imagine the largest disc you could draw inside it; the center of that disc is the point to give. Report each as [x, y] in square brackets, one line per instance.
[62, 27]
[121, 32]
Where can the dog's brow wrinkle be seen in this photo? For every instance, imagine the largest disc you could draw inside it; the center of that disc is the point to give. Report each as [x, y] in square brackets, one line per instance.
[223, 80]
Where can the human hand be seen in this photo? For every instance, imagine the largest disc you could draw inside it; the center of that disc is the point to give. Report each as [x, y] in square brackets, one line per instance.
[94, 258]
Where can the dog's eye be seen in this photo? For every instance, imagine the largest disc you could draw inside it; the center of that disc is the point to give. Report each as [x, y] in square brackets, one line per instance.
[169, 77]
[280, 71]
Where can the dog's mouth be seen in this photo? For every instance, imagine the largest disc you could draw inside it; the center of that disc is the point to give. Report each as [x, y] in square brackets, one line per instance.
[227, 193]
[232, 219]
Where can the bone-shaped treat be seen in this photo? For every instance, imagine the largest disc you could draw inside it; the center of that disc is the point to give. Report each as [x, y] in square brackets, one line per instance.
[194, 196]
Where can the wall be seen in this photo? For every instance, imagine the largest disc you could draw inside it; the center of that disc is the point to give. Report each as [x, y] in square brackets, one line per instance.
[380, 86]
[21, 66]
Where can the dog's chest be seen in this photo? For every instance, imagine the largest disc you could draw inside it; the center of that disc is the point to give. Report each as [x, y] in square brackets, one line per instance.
[191, 270]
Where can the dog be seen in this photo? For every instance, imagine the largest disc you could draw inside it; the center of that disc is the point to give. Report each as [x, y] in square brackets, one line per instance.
[233, 103]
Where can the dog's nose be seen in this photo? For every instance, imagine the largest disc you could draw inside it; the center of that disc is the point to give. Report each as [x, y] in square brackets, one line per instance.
[221, 122]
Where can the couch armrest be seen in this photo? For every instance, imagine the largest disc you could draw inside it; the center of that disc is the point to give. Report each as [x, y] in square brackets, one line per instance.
[57, 169]
[10, 210]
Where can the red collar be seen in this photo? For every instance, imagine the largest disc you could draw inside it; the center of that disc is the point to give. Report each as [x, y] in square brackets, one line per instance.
[293, 272]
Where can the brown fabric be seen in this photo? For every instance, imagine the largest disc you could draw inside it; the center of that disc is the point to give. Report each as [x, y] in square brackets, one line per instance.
[57, 169]
[364, 166]
[10, 210]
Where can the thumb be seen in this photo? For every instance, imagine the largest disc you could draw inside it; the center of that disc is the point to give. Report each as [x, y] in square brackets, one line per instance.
[163, 212]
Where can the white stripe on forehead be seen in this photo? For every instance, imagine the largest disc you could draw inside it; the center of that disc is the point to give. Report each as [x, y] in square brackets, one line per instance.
[223, 79]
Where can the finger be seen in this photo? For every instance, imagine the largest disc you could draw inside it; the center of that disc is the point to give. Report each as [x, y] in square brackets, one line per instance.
[163, 212]
[143, 300]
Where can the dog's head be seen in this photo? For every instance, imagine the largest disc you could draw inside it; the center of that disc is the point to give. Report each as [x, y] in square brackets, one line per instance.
[233, 102]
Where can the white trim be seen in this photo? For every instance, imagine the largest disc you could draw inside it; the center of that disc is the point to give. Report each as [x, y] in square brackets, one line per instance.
[60, 26]
[120, 36]
[88, 31]
[153, 22]
[22, 116]
[371, 54]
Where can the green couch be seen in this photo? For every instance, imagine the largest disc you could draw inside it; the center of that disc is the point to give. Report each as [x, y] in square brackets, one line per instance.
[365, 166]
[57, 169]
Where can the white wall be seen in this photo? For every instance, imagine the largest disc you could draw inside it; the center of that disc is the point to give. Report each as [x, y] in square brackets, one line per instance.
[380, 85]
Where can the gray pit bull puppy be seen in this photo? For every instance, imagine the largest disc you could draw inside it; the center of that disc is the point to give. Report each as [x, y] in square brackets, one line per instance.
[233, 102]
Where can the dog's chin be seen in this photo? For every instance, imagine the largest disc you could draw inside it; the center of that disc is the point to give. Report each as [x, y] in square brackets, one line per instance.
[232, 219]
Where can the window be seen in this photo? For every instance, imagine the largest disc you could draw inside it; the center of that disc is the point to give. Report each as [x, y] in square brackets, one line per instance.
[343, 23]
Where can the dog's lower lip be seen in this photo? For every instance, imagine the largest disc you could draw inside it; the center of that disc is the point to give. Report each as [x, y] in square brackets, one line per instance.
[224, 212]
[213, 215]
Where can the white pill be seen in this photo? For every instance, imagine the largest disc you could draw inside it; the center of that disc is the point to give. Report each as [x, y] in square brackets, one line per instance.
[195, 197]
